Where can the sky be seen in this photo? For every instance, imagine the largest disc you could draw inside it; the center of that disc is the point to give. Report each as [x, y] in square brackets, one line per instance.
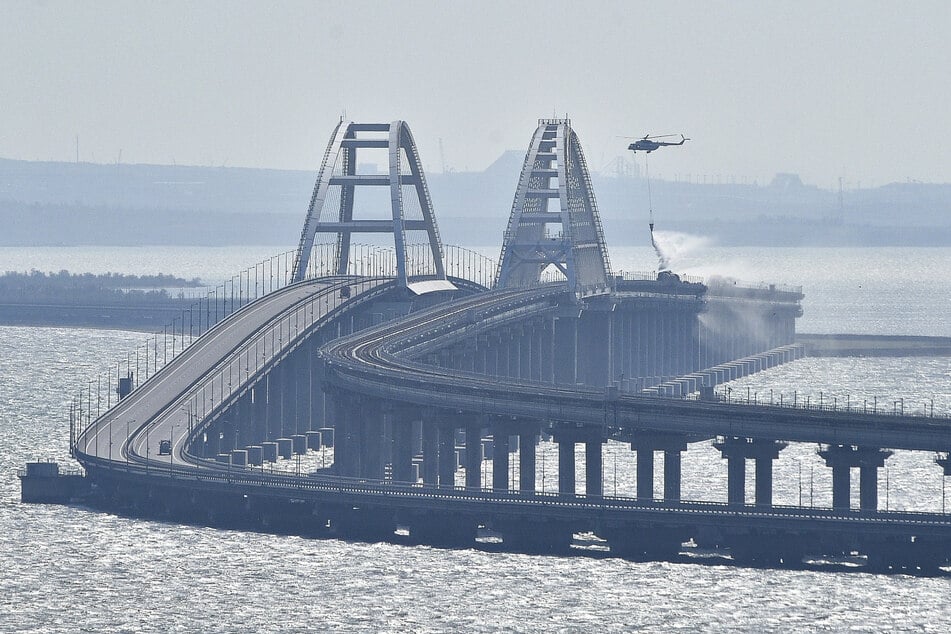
[857, 90]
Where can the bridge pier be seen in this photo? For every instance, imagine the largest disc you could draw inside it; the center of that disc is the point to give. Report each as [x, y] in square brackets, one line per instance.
[566, 466]
[737, 451]
[842, 458]
[288, 395]
[645, 444]
[593, 346]
[402, 429]
[257, 397]
[447, 455]
[430, 432]
[473, 428]
[212, 442]
[500, 455]
[227, 438]
[241, 415]
[527, 443]
[565, 348]
[371, 439]
[567, 436]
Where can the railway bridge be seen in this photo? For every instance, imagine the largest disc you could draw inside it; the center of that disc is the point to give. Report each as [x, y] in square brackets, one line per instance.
[418, 379]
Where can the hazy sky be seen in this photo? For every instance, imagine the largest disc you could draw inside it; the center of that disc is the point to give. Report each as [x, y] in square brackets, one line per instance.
[826, 89]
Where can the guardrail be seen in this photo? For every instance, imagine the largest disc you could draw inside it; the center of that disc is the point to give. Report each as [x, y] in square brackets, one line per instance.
[102, 393]
[281, 480]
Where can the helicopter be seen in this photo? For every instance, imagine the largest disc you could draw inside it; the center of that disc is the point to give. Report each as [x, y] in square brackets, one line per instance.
[648, 144]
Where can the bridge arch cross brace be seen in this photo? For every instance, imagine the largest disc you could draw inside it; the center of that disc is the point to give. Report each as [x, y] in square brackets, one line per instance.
[578, 249]
[331, 208]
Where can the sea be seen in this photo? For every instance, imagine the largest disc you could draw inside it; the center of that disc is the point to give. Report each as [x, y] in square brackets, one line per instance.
[75, 569]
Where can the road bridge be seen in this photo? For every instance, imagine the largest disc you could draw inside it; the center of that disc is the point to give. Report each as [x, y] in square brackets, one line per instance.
[409, 379]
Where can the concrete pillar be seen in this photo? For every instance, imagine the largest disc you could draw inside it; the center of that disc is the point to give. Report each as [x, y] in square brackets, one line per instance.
[289, 395]
[474, 455]
[500, 458]
[212, 443]
[430, 451]
[526, 461]
[546, 352]
[240, 415]
[841, 485]
[371, 439]
[259, 410]
[566, 350]
[402, 447]
[736, 480]
[737, 451]
[868, 488]
[764, 481]
[594, 481]
[841, 458]
[672, 475]
[273, 416]
[645, 473]
[566, 466]
[447, 455]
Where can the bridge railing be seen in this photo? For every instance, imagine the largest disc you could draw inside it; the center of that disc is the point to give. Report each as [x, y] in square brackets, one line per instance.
[202, 309]
[933, 407]
[298, 480]
[199, 311]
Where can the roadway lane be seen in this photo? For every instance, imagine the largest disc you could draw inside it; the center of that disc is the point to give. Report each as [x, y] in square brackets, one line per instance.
[222, 362]
[380, 362]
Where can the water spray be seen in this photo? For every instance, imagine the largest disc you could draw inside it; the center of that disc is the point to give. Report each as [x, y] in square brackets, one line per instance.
[663, 262]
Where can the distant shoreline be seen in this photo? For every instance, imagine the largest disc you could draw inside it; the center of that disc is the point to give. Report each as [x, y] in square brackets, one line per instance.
[849, 345]
[151, 317]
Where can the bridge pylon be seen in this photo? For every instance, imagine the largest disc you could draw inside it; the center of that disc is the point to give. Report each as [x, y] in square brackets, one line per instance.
[332, 204]
[554, 220]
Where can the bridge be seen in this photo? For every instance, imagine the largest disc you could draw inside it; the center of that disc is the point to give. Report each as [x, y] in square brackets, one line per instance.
[412, 366]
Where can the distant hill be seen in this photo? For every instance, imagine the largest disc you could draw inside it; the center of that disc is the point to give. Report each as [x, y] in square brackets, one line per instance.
[82, 203]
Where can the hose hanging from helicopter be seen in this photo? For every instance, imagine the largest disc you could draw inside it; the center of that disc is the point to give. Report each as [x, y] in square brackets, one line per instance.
[648, 144]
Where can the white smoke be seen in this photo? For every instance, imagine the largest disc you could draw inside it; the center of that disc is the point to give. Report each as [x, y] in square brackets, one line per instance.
[673, 248]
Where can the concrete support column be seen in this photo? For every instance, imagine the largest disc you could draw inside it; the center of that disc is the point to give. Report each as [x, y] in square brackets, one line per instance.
[645, 473]
[259, 410]
[500, 457]
[474, 455]
[736, 480]
[346, 447]
[566, 466]
[447, 456]
[737, 451]
[764, 482]
[289, 395]
[868, 488]
[371, 442]
[402, 426]
[430, 451]
[526, 461]
[274, 416]
[212, 443]
[227, 438]
[645, 444]
[841, 485]
[672, 471]
[566, 350]
[525, 340]
[841, 458]
[593, 468]
[240, 414]
[546, 352]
